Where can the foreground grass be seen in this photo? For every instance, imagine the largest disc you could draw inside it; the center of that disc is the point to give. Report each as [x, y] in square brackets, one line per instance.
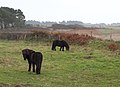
[83, 66]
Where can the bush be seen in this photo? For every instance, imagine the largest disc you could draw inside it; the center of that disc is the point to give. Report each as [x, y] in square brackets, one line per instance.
[113, 47]
[74, 38]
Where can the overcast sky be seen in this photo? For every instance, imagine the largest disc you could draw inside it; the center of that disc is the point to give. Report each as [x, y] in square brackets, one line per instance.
[87, 11]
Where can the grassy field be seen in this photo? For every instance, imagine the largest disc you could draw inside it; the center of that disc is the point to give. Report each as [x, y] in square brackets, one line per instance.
[92, 65]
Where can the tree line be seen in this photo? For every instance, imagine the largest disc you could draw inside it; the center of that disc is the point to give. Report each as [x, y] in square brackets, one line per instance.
[11, 18]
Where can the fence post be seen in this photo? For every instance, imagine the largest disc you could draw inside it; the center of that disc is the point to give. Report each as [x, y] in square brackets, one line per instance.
[91, 33]
[111, 36]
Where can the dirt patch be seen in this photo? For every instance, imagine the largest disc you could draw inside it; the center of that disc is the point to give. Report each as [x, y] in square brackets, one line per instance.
[88, 57]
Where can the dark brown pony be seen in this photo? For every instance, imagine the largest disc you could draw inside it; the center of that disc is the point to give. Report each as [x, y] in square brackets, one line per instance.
[61, 44]
[34, 58]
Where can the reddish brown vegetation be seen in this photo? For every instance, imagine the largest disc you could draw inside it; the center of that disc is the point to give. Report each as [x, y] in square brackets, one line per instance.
[113, 47]
[74, 38]
[42, 34]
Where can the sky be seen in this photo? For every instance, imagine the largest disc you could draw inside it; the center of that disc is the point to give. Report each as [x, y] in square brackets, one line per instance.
[87, 11]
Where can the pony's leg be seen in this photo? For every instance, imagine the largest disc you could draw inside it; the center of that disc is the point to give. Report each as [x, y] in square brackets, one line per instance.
[40, 67]
[33, 67]
[55, 49]
[62, 48]
[29, 67]
[37, 69]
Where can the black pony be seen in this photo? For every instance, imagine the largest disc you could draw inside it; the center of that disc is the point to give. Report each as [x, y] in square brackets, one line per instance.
[61, 44]
[34, 58]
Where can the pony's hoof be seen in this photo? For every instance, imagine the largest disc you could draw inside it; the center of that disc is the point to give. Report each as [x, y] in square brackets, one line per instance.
[38, 73]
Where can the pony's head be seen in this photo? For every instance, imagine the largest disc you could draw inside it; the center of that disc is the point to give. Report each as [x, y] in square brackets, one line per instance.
[67, 47]
[27, 53]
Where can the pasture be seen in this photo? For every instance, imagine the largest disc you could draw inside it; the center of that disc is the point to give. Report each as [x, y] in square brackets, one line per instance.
[91, 65]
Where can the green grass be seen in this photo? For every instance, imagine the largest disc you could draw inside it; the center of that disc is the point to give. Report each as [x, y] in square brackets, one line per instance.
[60, 69]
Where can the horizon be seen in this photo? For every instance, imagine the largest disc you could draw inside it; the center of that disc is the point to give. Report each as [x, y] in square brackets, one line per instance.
[74, 20]
[87, 11]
